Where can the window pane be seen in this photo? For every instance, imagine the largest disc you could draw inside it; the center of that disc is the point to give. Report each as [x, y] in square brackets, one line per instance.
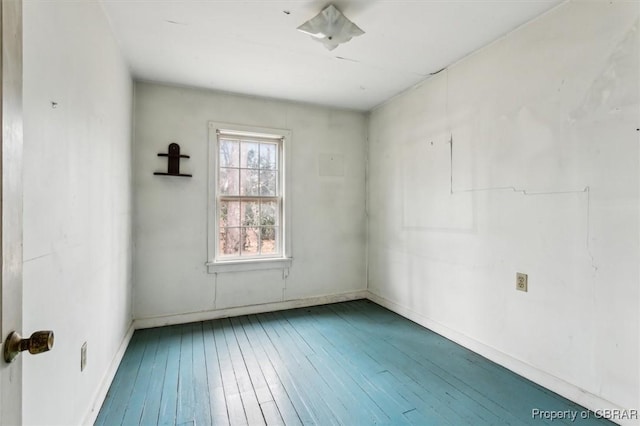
[229, 241]
[249, 155]
[229, 153]
[250, 213]
[250, 241]
[269, 238]
[229, 213]
[269, 213]
[268, 156]
[249, 182]
[248, 174]
[268, 183]
[229, 181]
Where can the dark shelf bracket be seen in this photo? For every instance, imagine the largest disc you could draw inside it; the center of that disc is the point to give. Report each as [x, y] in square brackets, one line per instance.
[173, 161]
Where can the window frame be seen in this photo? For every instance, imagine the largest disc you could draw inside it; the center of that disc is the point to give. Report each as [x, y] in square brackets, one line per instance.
[279, 261]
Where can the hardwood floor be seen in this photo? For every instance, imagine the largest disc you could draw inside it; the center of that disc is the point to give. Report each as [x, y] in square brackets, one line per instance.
[352, 363]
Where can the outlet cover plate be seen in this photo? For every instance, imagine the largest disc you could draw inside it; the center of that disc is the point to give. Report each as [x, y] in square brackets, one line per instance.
[522, 282]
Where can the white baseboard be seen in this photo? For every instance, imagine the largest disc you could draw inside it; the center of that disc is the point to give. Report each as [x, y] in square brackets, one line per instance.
[546, 380]
[94, 410]
[160, 321]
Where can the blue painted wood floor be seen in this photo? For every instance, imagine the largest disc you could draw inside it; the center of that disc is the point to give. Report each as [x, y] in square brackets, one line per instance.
[352, 363]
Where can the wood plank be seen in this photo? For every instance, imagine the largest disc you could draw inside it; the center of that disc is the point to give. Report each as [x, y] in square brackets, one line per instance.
[252, 365]
[307, 403]
[121, 388]
[140, 391]
[151, 409]
[169, 396]
[409, 372]
[340, 374]
[291, 407]
[391, 399]
[235, 408]
[514, 396]
[202, 410]
[271, 413]
[297, 382]
[217, 400]
[245, 386]
[186, 398]
[295, 353]
[427, 406]
[256, 374]
[511, 406]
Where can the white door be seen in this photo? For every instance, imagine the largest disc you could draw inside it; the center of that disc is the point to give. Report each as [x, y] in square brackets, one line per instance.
[11, 205]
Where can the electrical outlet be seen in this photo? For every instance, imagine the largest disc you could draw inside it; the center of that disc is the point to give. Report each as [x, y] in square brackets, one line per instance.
[522, 282]
[83, 356]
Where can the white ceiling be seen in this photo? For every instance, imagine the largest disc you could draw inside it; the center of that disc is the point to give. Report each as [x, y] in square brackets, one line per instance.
[252, 47]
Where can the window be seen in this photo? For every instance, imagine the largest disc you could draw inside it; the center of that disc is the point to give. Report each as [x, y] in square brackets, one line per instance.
[248, 213]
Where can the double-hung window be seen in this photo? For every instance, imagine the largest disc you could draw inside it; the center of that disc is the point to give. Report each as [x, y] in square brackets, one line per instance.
[249, 211]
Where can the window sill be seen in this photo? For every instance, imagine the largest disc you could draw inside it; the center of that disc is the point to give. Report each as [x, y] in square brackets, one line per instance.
[248, 265]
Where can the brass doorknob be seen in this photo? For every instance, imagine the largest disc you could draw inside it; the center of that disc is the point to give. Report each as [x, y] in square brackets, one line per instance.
[40, 341]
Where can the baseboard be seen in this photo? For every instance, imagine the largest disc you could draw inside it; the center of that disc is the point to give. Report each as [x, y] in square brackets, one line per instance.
[546, 380]
[160, 321]
[94, 410]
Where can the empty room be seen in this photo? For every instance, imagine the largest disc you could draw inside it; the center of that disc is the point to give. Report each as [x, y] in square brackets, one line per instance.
[335, 213]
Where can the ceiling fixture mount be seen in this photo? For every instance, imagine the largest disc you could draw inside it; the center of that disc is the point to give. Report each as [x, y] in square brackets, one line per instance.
[330, 27]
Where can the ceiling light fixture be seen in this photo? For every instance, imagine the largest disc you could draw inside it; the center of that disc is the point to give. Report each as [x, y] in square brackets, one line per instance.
[330, 27]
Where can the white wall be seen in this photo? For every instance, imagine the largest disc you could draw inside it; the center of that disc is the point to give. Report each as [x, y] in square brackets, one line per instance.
[170, 221]
[551, 109]
[77, 205]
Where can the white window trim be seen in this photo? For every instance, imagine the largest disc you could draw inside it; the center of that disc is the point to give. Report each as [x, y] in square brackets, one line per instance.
[280, 262]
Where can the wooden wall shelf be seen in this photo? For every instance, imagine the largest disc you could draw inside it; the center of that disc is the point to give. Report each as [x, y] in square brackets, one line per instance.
[173, 161]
